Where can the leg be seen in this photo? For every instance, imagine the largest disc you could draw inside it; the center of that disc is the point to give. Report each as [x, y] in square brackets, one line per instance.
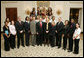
[59, 41]
[70, 44]
[22, 39]
[56, 39]
[27, 39]
[76, 48]
[18, 40]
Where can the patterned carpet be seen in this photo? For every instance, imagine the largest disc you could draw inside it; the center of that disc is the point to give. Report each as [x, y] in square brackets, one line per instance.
[40, 51]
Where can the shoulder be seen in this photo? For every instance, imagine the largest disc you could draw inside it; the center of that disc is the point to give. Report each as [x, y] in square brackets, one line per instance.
[79, 29]
[3, 26]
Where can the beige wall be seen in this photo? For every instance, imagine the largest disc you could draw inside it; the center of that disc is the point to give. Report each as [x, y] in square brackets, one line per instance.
[64, 6]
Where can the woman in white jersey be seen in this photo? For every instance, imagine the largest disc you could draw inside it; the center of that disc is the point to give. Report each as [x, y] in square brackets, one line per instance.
[12, 30]
[76, 38]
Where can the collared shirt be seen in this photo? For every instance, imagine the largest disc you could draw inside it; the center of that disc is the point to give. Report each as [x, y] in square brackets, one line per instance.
[37, 20]
[9, 24]
[52, 21]
[12, 29]
[77, 32]
[27, 21]
[44, 20]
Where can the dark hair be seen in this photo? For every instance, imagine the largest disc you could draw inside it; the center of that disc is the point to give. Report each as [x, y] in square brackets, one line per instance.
[5, 22]
[33, 15]
[26, 17]
[6, 19]
[78, 24]
[53, 16]
[67, 21]
[11, 22]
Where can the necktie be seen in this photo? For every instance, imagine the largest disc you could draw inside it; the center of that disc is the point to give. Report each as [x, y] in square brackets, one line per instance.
[47, 26]
[40, 24]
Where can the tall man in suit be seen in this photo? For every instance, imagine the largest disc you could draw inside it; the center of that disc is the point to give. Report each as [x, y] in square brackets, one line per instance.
[27, 30]
[20, 34]
[72, 28]
[33, 31]
[40, 32]
[59, 28]
[52, 31]
[47, 27]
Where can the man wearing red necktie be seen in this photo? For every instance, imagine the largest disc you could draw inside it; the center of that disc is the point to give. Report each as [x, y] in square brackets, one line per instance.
[40, 32]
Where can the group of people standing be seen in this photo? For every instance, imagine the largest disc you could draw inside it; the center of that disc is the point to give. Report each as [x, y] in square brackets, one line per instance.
[42, 29]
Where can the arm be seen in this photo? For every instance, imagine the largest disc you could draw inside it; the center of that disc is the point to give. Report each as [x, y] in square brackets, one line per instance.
[78, 33]
[61, 28]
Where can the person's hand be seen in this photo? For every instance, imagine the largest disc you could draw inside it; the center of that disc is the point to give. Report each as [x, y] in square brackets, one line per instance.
[47, 31]
[21, 31]
[29, 31]
[8, 36]
[63, 35]
[73, 38]
[68, 35]
[37, 33]
[56, 31]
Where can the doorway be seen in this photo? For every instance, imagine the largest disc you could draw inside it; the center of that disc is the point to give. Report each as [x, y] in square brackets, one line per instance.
[74, 14]
[11, 13]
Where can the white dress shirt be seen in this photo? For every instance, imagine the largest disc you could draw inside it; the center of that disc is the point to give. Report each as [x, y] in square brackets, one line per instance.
[9, 24]
[44, 20]
[77, 32]
[37, 20]
[51, 21]
[12, 29]
[27, 21]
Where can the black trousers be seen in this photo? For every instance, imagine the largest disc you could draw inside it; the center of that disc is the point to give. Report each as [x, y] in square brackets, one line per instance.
[39, 39]
[46, 38]
[6, 43]
[65, 42]
[27, 38]
[12, 41]
[71, 43]
[52, 40]
[20, 37]
[76, 46]
[58, 39]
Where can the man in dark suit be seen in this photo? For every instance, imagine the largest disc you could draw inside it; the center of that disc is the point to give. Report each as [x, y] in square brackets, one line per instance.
[65, 34]
[59, 29]
[47, 27]
[27, 30]
[20, 34]
[72, 28]
[40, 32]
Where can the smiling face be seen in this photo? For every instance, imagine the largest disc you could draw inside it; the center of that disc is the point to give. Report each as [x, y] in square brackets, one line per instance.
[12, 22]
[6, 23]
[77, 25]
[66, 22]
[7, 19]
[19, 18]
[72, 20]
[59, 19]
[40, 19]
[53, 18]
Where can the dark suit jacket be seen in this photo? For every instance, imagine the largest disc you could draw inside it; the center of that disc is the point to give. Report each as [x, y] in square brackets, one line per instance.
[72, 28]
[26, 27]
[39, 29]
[19, 26]
[66, 30]
[59, 27]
